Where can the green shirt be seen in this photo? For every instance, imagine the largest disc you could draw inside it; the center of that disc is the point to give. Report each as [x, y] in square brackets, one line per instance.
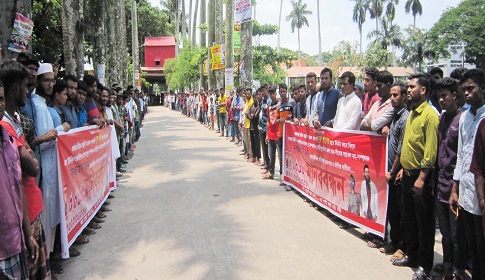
[420, 143]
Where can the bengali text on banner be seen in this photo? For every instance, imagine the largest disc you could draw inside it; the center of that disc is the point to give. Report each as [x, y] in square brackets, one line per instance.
[341, 171]
[85, 180]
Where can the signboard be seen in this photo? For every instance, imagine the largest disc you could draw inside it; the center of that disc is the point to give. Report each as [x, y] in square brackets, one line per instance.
[229, 79]
[341, 171]
[21, 34]
[218, 54]
[236, 40]
[243, 11]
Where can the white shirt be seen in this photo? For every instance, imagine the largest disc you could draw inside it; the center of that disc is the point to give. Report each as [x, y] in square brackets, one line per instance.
[373, 200]
[311, 108]
[348, 112]
[467, 195]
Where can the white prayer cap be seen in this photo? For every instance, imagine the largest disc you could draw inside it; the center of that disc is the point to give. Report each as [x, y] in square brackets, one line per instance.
[45, 68]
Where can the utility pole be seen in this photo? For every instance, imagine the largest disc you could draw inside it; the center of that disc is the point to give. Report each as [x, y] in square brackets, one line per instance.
[134, 43]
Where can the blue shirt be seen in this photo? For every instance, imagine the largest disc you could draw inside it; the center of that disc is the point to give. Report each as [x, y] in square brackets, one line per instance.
[82, 116]
[70, 114]
[264, 114]
[327, 105]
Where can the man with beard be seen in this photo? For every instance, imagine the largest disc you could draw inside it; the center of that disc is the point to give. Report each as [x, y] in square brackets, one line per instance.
[327, 99]
[80, 97]
[90, 102]
[299, 111]
[68, 108]
[370, 88]
[33, 65]
[46, 151]
[310, 100]
[381, 111]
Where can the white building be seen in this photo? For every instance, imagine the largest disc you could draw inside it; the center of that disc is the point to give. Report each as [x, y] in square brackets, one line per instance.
[456, 60]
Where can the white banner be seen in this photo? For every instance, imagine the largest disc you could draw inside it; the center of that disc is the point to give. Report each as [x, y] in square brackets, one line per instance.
[243, 11]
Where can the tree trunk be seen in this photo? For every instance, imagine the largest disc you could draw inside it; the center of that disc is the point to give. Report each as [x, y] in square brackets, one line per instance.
[111, 43]
[279, 26]
[121, 57]
[246, 73]
[299, 58]
[219, 40]
[98, 20]
[189, 33]
[212, 39]
[360, 33]
[184, 22]
[319, 36]
[194, 23]
[7, 18]
[203, 40]
[229, 30]
[79, 38]
[177, 27]
[68, 36]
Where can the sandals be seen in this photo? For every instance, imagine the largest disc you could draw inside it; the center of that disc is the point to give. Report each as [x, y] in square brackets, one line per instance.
[387, 249]
[73, 252]
[89, 231]
[375, 243]
[397, 255]
[268, 177]
[82, 239]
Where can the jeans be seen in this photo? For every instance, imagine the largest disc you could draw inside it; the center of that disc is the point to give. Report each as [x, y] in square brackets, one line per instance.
[418, 221]
[394, 213]
[273, 145]
[264, 147]
[232, 129]
[254, 134]
[453, 235]
[475, 242]
[222, 122]
[218, 121]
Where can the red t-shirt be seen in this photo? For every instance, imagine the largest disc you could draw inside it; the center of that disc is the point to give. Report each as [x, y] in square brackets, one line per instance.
[272, 127]
[33, 195]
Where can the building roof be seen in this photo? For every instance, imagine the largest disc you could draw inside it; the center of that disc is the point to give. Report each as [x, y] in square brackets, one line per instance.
[300, 72]
[159, 41]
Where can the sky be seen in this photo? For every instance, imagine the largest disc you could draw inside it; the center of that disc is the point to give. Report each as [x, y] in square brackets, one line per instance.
[335, 22]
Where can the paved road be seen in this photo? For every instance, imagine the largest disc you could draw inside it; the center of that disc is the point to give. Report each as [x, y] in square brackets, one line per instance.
[190, 207]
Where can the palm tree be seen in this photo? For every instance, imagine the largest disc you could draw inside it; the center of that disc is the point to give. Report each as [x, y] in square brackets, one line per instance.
[387, 36]
[415, 7]
[298, 19]
[376, 7]
[319, 35]
[279, 26]
[391, 10]
[360, 10]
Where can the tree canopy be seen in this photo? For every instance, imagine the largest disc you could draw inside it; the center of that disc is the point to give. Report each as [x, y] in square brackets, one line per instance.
[463, 23]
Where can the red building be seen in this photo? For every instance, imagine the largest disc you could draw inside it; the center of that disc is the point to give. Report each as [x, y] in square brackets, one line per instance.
[156, 51]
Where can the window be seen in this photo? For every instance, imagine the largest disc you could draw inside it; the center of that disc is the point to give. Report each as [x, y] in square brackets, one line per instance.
[157, 62]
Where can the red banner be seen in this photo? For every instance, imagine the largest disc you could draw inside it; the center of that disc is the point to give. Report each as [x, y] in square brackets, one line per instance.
[341, 171]
[85, 167]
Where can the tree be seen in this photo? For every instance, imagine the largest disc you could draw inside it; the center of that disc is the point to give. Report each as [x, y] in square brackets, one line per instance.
[264, 29]
[183, 71]
[391, 10]
[387, 36]
[47, 35]
[268, 64]
[375, 7]
[463, 23]
[298, 20]
[416, 47]
[359, 15]
[415, 8]
[202, 38]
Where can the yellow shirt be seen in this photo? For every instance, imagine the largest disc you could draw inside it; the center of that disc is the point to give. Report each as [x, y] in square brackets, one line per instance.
[420, 143]
[247, 122]
[222, 104]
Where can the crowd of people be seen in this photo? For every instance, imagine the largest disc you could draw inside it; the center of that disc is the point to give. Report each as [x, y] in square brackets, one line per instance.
[436, 151]
[38, 103]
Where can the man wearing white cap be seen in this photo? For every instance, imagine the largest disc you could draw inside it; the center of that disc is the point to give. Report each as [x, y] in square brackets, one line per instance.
[45, 150]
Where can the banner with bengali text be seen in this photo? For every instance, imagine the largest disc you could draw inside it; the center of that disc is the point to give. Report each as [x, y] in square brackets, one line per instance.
[86, 178]
[243, 11]
[341, 171]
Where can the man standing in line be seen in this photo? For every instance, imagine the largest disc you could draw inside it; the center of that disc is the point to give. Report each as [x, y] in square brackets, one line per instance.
[451, 227]
[299, 111]
[418, 158]
[263, 119]
[396, 135]
[326, 100]
[381, 111]
[285, 113]
[221, 101]
[464, 193]
[370, 88]
[348, 107]
[68, 108]
[311, 82]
